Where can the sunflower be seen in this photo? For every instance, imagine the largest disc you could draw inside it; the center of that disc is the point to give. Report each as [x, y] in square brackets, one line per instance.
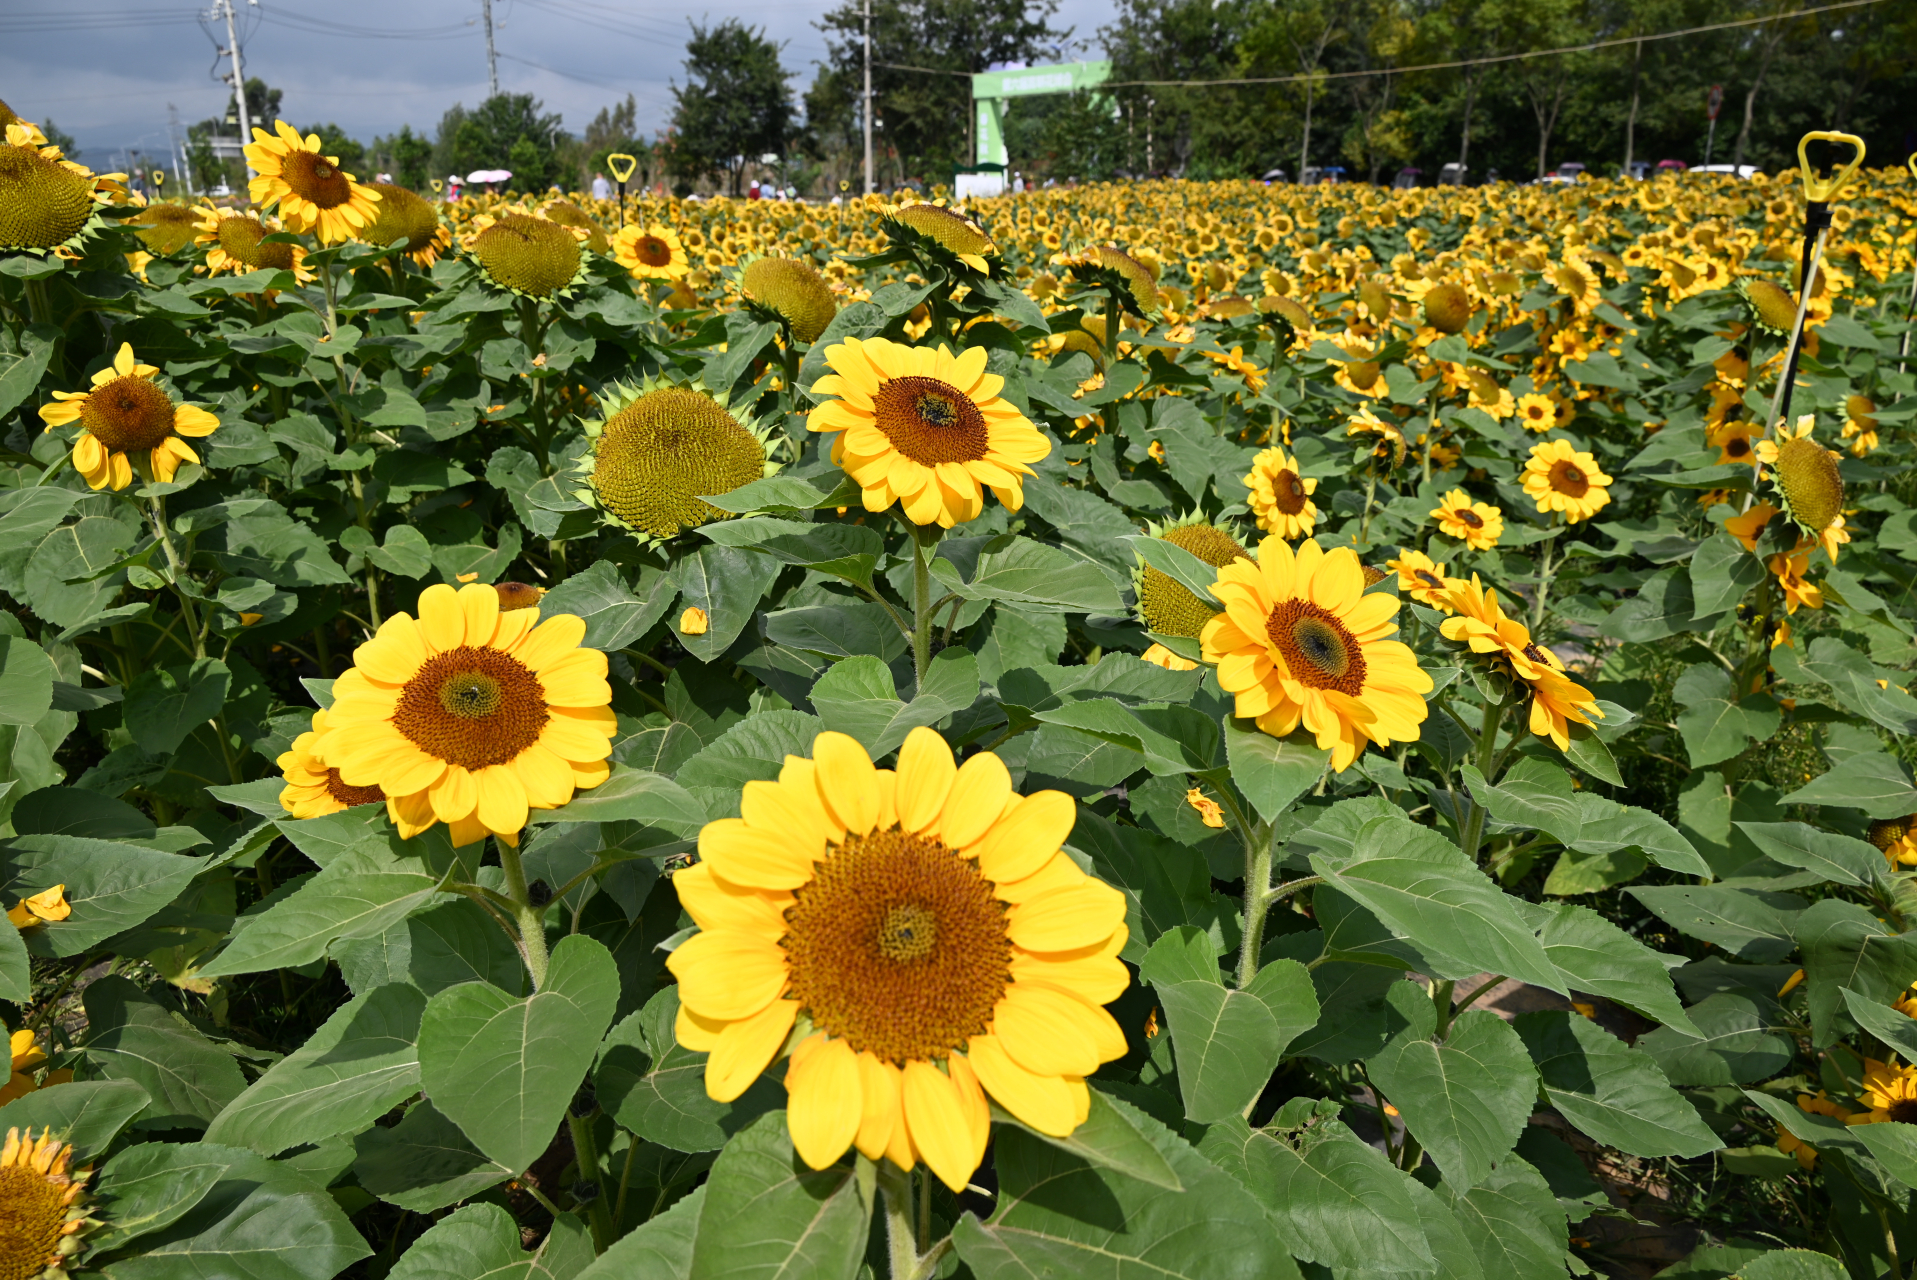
[166, 228]
[1773, 309]
[1422, 578]
[1537, 412]
[127, 413]
[1806, 477]
[1301, 643]
[650, 253]
[47, 203]
[1890, 1094]
[1159, 656]
[1749, 527]
[661, 450]
[1791, 1145]
[42, 1215]
[793, 291]
[402, 215]
[1109, 264]
[1360, 372]
[1561, 478]
[1478, 525]
[1574, 278]
[1166, 608]
[1280, 496]
[27, 1055]
[48, 905]
[1896, 839]
[1557, 701]
[927, 224]
[1735, 441]
[1447, 308]
[568, 214]
[1789, 570]
[920, 939]
[232, 239]
[470, 716]
[312, 789]
[924, 428]
[528, 256]
[313, 193]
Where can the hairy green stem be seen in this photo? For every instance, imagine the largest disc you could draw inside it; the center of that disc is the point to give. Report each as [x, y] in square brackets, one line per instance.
[530, 919]
[586, 1154]
[1545, 572]
[1486, 762]
[156, 515]
[901, 1248]
[925, 538]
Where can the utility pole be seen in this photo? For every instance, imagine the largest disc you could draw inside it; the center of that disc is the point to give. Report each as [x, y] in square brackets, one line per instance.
[225, 9]
[173, 147]
[868, 97]
[492, 59]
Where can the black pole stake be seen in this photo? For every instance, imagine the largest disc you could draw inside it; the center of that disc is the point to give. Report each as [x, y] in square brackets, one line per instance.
[1816, 218]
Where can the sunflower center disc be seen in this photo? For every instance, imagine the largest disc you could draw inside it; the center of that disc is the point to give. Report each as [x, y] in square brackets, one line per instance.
[898, 946]
[1737, 447]
[472, 707]
[1904, 1110]
[930, 421]
[128, 414]
[1568, 479]
[351, 796]
[41, 204]
[652, 251]
[1317, 648]
[1288, 492]
[314, 179]
[31, 1216]
[241, 237]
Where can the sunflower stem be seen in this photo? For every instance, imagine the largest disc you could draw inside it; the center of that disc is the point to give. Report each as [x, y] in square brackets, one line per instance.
[586, 1155]
[1114, 317]
[156, 515]
[901, 1246]
[530, 919]
[925, 538]
[1545, 573]
[1487, 765]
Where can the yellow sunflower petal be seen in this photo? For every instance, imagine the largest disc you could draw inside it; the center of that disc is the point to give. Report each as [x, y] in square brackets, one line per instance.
[744, 1048]
[1044, 1102]
[1021, 841]
[727, 974]
[978, 795]
[941, 1127]
[825, 1103]
[846, 780]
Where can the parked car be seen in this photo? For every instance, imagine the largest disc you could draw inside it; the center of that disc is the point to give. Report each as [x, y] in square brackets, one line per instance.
[1408, 177]
[1671, 166]
[1741, 170]
[1454, 175]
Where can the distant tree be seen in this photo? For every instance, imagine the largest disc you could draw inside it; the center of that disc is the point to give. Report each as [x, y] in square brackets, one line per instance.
[209, 169]
[735, 105]
[614, 129]
[60, 138]
[405, 155]
[508, 131]
[350, 153]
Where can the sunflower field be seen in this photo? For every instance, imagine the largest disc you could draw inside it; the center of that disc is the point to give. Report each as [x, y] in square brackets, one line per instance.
[1172, 729]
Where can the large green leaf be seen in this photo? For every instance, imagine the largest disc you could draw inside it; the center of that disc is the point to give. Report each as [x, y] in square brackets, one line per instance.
[657, 1089]
[727, 583]
[1425, 890]
[1033, 576]
[1514, 1223]
[1872, 781]
[111, 886]
[1609, 826]
[1465, 1097]
[1722, 573]
[1164, 885]
[481, 1242]
[504, 1070]
[164, 704]
[26, 680]
[16, 975]
[1752, 924]
[1597, 957]
[423, 1163]
[632, 795]
[90, 1113]
[1715, 723]
[1894, 1027]
[615, 615]
[1165, 740]
[1227, 1041]
[660, 1246]
[360, 896]
[350, 1072]
[1844, 859]
[1610, 1091]
[766, 1213]
[1793, 1264]
[1845, 946]
[132, 1036]
[1109, 1139]
[1741, 1041]
[857, 697]
[1045, 1222]
[1535, 796]
[1272, 772]
[153, 1185]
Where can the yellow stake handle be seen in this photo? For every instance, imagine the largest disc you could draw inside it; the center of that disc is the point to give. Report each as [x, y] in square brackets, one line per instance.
[622, 166]
[1818, 192]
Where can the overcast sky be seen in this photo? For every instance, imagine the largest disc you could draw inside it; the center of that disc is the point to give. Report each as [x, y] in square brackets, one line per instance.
[105, 71]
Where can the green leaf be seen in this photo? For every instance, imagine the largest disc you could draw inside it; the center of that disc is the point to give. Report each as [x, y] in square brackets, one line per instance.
[22, 367]
[1466, 1097]
[1844, 859]
[1715, 723]
[423, 1163]
[1871, 781]
[1794, 1264]
[111, 886]
[90, 1113]
[359, 896]
[656, 1088]
[481, 1241]
[354, 1069]
[16, 976]
[504, 1070]
[1894, 1027]
[1853, 678]
[631, 795]
[1597, 957]
[1272, 772]
[1751, 924]
[152, 1186]
[1845, 946]
[1178, 564]
[1212, 1230]
[751, 750]
[1663, 606]
[857, 697]
[1739, 1043]
[131, 1036]
[1610, 1091]
[774, 493]
[727, 583]
[262, 1221]
[1588, 752]
[26, 681]
[1170, 739]
[1331, 1198]
[268, 543]
[1576, 873]
[1108, 1139]
[1227, 1041]
[1722, 573]
[660, 1246]
[1513, 1221]
[1425, 890]
[1164, 885]
[1538, 798]
[614, 615]
[164, 704]
[848, 551]
[1609, 826]
[1033, 576]
[766, 1213]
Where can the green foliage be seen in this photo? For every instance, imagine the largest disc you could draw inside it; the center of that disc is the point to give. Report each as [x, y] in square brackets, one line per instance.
[734, 107]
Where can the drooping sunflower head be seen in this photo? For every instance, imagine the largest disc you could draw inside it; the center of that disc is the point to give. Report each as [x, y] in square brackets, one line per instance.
[921, 940]
[1773, 309]
[1287, 309]
[1131, 275]
[1447, 308]
[166, 228]
[794, 291]
[1167, 608]
[529, 256]
[1376, 299]
[43, 1214]
[660, 450]
[923, 225]
[1812, 487]
[568, 214]
[313, 193]
[234, 241]
[43, 203]
[402, 215]
[1576, 281]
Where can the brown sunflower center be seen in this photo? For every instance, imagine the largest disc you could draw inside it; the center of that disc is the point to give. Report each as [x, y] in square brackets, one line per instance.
[1288, 492]
[240, 237]
[1886, 832]
[1904, 1110]
[1468, 518]
[351, 796]
[652, 251]
[1535, 412]
[1568, 478]
[315, 179]
[930, 421]
[31, 1215]
[1320, 652]
[1737, 447]
[472, 707]
[898, 946]
[128, 414]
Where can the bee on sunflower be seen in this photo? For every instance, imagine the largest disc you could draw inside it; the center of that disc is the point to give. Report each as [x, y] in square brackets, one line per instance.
[1557, 701]
[660, 449]
[918, 938]
[1478, 525]
[1561, 478]
[1301, 642]
[313, 194]
[1280, 497]
[128, 420]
